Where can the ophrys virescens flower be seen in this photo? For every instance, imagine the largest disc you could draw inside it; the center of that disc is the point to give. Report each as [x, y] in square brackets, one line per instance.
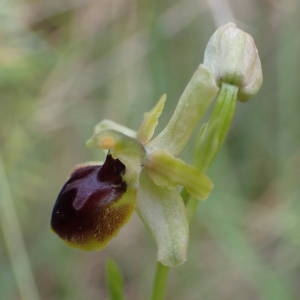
[144, 172]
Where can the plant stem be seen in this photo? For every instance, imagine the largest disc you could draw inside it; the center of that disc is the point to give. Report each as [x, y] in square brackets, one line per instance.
[160, 282]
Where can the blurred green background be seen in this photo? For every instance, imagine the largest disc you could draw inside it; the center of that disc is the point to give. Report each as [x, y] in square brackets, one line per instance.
[67, 64]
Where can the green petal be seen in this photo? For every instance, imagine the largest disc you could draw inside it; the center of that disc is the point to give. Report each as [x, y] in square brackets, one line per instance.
[166, 170]
[150, 121]
[163, 212]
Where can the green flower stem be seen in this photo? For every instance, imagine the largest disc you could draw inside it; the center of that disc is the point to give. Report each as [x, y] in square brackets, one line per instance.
[160, 282]
[213, 134]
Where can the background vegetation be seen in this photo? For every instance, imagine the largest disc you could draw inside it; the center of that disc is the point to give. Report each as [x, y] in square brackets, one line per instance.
[66, 64]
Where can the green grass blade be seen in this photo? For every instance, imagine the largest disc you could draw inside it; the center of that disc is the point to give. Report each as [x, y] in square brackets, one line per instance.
[114, 281]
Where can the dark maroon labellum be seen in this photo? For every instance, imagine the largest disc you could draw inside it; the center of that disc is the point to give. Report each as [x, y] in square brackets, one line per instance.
[84, 214]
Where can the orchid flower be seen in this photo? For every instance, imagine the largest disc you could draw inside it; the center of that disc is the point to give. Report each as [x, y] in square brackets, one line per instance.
[142, 170]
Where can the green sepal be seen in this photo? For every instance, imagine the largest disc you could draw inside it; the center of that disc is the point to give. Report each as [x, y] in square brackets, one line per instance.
[191, 106]
[108, 124]
[163, 212]
[166, 170]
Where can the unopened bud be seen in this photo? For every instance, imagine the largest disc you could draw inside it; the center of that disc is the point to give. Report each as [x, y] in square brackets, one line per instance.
[231, 55]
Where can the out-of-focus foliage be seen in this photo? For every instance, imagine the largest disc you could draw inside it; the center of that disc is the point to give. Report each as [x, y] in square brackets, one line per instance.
[65, 65]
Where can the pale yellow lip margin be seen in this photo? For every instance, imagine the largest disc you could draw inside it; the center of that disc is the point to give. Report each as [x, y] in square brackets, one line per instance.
[128, 199]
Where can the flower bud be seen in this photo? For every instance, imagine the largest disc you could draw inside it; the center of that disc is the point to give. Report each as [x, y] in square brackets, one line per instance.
[93, 205]
[231, 55]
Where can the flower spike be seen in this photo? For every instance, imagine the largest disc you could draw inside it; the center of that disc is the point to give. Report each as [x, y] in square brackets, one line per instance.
[145, 172]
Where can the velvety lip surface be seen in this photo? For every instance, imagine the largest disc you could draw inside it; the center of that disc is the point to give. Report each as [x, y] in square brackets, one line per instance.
[83, 211]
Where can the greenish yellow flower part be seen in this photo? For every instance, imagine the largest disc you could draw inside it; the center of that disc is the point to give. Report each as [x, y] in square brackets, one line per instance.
[166, 170]
[150, 121]
[192, 105]
[163, 211]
